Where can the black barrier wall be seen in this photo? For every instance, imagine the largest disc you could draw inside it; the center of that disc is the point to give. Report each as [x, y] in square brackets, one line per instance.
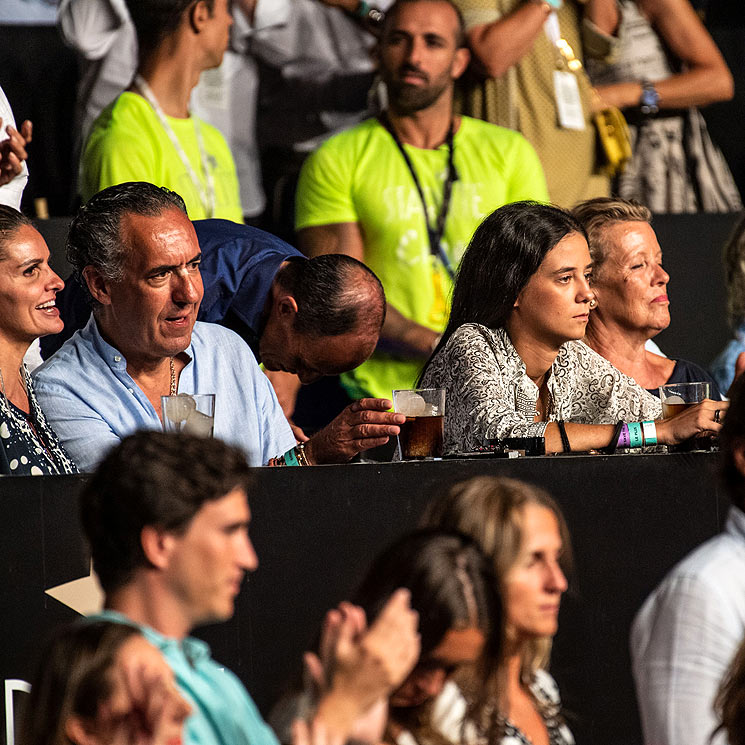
[317, 529]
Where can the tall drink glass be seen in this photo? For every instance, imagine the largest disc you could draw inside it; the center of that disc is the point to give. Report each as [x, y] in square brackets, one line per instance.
[192, 414]
[676, 398]
[422, 433]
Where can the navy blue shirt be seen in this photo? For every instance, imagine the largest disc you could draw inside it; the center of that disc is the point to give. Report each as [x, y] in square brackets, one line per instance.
[238, 266]
[689, 372]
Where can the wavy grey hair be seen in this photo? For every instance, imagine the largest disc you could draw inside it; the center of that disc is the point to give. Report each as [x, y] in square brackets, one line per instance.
[95, 236]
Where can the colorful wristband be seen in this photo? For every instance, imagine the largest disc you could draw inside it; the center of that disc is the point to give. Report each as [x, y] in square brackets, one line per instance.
[635, 435]
[290, 458]
[624, 439]
[649, 433]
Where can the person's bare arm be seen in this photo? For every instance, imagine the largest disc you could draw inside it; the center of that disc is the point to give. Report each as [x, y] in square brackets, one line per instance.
[706, 78]
[604, 14]
[399, 335]
[287, 387]
[499, 45]
[697, 420]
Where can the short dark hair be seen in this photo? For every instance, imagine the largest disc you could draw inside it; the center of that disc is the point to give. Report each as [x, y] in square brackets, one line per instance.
[732, 438]
[155, 20]
[333, 293]
[95, 239]
[460, 34]
[504, 253]
[73, 678]
[153, 479]
[11, 221]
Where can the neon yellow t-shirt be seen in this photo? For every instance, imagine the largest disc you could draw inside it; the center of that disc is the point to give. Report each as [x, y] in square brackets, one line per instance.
[128, 143]
[360, 176]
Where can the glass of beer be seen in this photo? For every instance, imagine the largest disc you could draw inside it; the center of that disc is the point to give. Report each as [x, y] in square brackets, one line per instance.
[190, 413]
[421, 434]
[677, 397]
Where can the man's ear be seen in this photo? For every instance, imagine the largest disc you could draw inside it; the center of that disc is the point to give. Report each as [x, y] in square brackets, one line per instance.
[286, 306]
[97, 285]
[157, 545]
[199, 14]
[460, 62]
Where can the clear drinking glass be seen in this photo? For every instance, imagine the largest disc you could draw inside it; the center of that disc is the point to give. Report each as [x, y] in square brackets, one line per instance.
[191, 413]
[677, 397]
[422, 433]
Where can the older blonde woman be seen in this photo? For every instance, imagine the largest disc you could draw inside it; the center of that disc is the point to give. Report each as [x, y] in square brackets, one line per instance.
[631, 300]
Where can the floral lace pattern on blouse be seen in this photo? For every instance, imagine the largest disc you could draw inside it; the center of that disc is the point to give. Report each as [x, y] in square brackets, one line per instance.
[490, 396]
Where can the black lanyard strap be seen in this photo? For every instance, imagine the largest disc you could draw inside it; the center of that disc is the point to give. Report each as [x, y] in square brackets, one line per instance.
[433, 233]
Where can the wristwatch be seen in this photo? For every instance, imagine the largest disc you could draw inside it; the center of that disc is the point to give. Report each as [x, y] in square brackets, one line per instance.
[650, 100]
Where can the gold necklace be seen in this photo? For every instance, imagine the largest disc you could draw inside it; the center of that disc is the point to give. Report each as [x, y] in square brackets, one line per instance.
[173, 391]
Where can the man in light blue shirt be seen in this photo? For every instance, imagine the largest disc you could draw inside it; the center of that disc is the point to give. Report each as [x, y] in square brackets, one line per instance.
[141, 267]
[166, 517]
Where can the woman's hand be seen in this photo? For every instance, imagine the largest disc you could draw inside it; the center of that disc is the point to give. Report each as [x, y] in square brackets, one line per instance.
[695, 420]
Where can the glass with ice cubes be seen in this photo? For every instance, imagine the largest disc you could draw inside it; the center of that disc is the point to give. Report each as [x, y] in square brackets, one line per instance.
[190, 413]
[421, 434]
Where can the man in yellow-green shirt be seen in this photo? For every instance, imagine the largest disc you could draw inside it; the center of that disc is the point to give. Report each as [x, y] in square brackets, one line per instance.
[364, 191]
[148, 133]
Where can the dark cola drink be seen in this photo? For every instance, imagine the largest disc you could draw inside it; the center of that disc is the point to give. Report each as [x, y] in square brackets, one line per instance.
[421, 437]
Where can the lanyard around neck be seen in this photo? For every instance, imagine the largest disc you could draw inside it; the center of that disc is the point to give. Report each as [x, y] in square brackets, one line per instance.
[433, 233]
[205, 190]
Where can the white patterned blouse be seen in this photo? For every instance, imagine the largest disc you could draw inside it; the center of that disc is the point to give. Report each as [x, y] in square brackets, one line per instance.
[490, 396]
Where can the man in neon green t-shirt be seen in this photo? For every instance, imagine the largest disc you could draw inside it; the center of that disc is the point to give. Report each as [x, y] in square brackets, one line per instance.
[147, 133]
[362, 192]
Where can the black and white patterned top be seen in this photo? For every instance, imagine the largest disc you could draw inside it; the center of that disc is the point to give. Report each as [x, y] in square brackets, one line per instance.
[546, 692]
[448, 717]
[490, 396]
[28, 445]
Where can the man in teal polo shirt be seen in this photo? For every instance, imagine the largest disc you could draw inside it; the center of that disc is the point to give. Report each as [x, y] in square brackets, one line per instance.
[167, 520]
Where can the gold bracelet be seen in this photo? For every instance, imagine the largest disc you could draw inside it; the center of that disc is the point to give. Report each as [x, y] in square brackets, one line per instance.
[302, 457]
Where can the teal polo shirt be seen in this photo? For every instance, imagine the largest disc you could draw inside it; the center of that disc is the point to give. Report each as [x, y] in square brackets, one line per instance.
[222, 711]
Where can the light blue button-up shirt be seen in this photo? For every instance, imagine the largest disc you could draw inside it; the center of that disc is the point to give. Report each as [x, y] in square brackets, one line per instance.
[91, 402]
[222, 711]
